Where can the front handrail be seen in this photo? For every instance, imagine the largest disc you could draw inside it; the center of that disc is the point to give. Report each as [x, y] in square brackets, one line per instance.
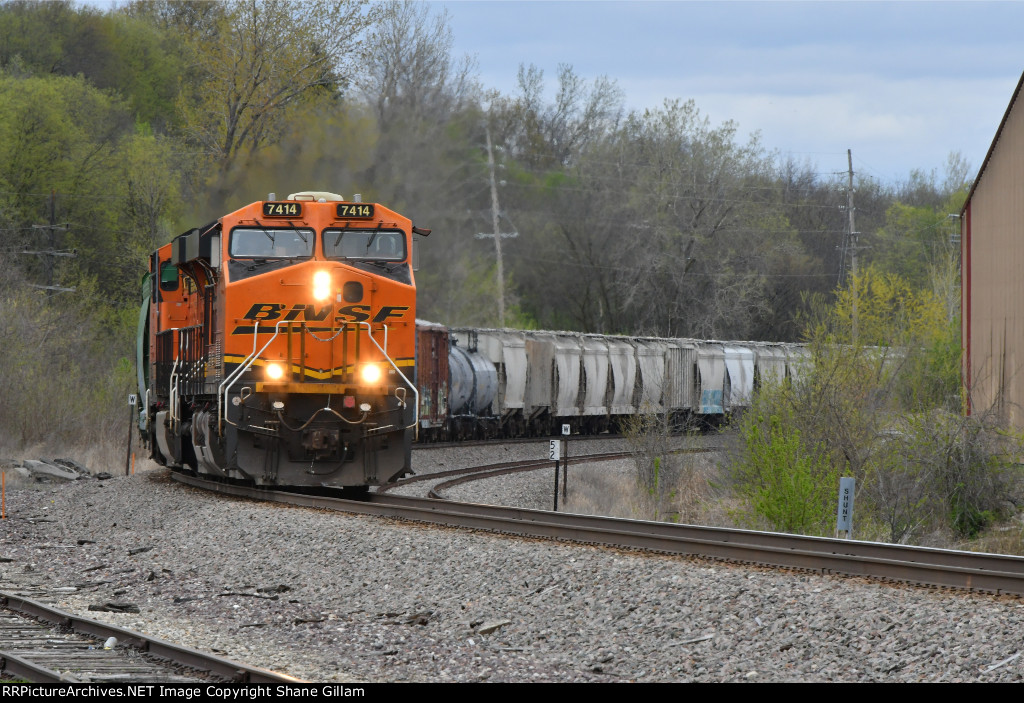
[410, 384]
[225, 386]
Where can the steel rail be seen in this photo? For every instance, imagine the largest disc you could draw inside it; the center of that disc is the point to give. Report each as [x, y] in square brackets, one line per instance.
[203, 662]
[993, 573]
[509, 467]
[24, 669]
[475, 473]
[449, 444]
[484, 472]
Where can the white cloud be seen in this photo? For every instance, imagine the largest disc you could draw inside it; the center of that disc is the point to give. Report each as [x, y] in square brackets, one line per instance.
[902, 84]
[894, 125]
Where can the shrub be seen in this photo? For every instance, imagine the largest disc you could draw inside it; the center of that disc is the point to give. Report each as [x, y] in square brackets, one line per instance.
[783, 483]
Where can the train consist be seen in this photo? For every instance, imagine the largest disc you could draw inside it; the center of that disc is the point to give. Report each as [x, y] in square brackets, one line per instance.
[277, 345]
[509, 383]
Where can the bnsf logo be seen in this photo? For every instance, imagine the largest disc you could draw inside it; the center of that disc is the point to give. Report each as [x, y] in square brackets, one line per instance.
[349, 313]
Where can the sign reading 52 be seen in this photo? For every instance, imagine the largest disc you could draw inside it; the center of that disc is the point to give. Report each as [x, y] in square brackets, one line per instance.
[554, 449]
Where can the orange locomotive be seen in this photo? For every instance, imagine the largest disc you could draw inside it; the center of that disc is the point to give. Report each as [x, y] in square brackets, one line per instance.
[277, 345]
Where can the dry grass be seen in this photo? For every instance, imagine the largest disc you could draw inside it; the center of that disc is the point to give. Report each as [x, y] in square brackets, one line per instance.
[99, 457]
[1006, 538]
[612, 488]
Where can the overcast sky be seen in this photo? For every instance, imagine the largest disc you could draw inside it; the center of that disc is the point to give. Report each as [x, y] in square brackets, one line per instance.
[902, 84]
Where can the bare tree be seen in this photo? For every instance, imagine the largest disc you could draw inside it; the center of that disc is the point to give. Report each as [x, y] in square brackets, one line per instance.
[424, 101]
[551, 135]
[258, 59]
[668, 220]
[410, 73]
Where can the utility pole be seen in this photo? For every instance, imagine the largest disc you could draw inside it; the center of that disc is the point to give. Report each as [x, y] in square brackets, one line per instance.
[954, 240]
[497, 233]
[51, 252]
[853, 240]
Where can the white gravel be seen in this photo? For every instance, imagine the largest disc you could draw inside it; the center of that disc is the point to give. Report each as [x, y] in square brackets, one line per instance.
[331, 597]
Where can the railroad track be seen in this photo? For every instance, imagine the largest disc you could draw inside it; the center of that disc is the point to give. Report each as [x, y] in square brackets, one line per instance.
[990, 573]
[511, 440]
[476, 473]
[43, 645]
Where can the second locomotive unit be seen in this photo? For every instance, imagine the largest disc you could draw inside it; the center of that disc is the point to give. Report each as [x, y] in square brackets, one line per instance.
[277, 345]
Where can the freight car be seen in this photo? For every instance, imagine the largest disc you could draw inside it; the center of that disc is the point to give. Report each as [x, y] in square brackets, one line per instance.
[277, 345]
[510, 383]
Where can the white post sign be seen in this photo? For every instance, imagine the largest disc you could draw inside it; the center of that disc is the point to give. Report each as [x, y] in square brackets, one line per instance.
[555, 449]
[844, 516]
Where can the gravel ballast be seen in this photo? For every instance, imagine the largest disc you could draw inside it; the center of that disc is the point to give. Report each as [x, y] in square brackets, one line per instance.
[331, 597]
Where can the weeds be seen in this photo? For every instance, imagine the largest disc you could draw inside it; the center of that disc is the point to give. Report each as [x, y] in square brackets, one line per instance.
[670, 482]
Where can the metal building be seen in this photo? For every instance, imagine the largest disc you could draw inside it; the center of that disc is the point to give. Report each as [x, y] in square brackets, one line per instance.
[992, 261]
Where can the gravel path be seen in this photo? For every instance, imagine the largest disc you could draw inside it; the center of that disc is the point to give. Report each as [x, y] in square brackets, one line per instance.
[330, 597]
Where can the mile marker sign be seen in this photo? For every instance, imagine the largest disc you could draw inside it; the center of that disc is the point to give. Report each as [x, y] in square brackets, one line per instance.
[555, 449]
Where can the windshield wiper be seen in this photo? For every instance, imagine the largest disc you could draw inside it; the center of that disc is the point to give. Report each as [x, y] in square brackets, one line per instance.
[388, 266]
[273, 242]
[256, 263]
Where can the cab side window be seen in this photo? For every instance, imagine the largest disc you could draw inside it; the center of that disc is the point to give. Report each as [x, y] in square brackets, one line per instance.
[168, 276]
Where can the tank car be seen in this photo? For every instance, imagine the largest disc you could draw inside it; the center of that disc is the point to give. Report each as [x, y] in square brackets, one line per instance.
[277, 345]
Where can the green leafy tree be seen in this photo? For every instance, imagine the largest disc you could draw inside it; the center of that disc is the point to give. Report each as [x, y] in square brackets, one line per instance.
[60, 142]
[784, 483]
[147, 70]
[881, 406]
[33, 34]
[890, 311]
[112, 51]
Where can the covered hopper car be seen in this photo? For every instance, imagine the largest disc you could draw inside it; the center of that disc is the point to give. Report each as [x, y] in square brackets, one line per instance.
[510, 383]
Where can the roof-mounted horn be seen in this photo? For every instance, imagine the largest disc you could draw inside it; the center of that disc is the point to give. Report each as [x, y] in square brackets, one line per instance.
[320, 196]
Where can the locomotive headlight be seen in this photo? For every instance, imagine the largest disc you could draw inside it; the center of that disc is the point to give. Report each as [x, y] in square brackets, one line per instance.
[321, 285]
[275, 371]
[370, 373]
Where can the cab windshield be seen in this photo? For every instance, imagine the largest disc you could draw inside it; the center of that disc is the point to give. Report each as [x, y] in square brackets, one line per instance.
[271, 243]
[365, 244]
